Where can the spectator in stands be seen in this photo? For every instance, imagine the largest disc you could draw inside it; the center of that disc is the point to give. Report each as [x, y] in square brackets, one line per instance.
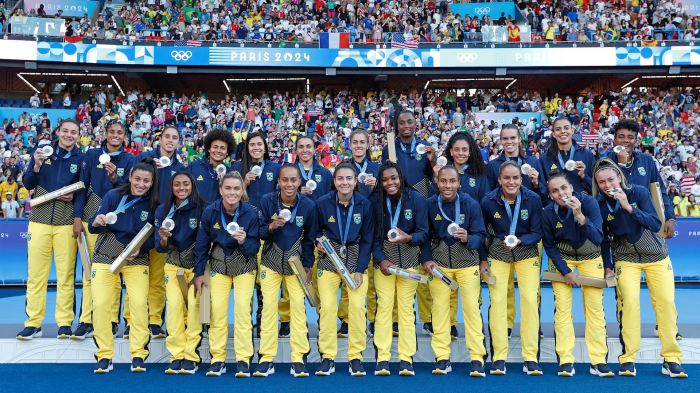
[10, 185]
[10, 207]
[34, 101]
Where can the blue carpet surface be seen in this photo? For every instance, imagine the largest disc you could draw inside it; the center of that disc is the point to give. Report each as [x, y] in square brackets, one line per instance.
[57, 378]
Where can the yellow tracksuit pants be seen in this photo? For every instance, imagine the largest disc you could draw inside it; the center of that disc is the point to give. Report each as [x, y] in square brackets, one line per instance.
[43, 242]
[425, 301]
[156, 289]
[103, 281]
[596, 336]
[86, 300]
[270, 282]
[283, 305]
[394, 293]
[659, 276]
[511, 292]
[511, 298]
[243, 286]
[528, 272]
[328, 283]
[182, 320]
[371, 298]
[469, 282]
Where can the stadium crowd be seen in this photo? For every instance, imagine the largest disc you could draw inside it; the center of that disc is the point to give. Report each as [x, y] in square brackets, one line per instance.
[369, 21]
[669, 121]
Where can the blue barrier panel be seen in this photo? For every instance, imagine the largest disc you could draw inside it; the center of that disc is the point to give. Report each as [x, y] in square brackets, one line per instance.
[35, 113]
[13, 263]
[13, 243]
[234, 56]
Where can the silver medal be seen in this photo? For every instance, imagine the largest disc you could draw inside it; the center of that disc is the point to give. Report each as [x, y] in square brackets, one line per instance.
[392, 234]
[452, 229]
[511, 240]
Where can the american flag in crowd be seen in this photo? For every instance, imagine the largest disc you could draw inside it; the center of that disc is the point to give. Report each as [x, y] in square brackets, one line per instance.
[314, 110]
[399, 41]
[188, 43]
[590, 137]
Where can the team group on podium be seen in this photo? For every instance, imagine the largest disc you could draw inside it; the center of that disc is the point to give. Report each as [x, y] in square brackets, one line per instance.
[375, 231]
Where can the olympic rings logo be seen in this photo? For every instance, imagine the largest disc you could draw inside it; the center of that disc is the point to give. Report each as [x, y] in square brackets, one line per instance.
[467, 57]
[24, 235]
[482, 10]
[181, 55]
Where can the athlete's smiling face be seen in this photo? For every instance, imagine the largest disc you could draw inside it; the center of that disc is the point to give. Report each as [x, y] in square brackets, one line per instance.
[305, 149]
[182, 187]
[169, 140]
[289, 181]
[68, 135]
[218, 151]
[256, 148]
[115, 136]
[141, 181]
[448, 183]
[460, 152]
[406, 124]
[231, 190]
[510, 180]
[562, 131]
[510, 141]
[358, 145]
[391, 181]
[345, 181]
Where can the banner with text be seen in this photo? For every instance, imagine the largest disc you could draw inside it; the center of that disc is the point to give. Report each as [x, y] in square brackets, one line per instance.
[69, 7]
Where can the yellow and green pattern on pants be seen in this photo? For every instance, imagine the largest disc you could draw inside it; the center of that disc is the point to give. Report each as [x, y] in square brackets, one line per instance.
[328, 284]
[86, 298]
[182, 320]
[270, 282]
[395, 293]
[469, 282]
[243, 285]
[43, 242]
[660, 281]
[596, 336]
[156, 289]
[528, 272]
[136, 280]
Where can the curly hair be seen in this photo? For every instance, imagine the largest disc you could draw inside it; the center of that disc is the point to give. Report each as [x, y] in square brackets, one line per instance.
[219, 134]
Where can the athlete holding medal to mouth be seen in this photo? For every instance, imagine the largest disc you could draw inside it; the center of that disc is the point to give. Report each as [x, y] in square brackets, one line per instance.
[632, 246]
[512, 215]
[572, 233]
